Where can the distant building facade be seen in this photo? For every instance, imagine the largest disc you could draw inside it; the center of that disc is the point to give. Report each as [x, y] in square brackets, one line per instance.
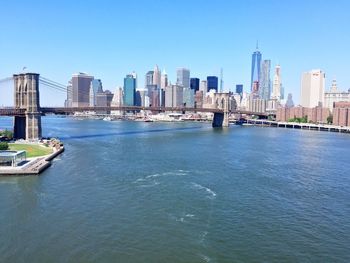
[334, 95]
[239, 89]
[183, 77]
[341, 114]
[277, 84]
[312, 88]
[316, 114]
[212, 83]
[81, 89]
[129, 91]
[255, 69]
[194, 84]
[174, 96]
[265, 80]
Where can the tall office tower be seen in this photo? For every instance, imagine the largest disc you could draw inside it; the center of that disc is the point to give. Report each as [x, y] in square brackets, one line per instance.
[129, 90]
[194, 84]
[69, 100]
[276, 88]
[164, 80]
[255, 71]
[117, 100]
[80, 89]
[156, 76]
[174, 96]
[239, 89]
[183, 77]
[149, 78]
[312, 88]
[188, 97]
[203, 87]
[265, 80]
[212, 83]
[95, 87]
[221, 80]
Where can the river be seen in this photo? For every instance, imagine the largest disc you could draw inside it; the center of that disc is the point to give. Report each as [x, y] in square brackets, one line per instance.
[180, 192]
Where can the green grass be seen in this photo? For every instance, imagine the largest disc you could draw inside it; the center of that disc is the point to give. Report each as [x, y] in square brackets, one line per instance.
[33, 150]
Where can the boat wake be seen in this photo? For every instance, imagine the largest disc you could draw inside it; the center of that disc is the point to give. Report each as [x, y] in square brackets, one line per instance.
[211, 193]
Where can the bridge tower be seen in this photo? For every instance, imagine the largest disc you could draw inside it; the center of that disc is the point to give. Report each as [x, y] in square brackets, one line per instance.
[222, 102]
[26, 96]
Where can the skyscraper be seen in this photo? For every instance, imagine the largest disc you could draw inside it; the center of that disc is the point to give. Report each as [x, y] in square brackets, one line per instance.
[203, 87]
[183, 77]
[149, 78]
[129, 89]
[255, 71]
[239, 89]
[156, 76]
[276, 88]
[174, 96]
[265, 80]
[194, 84]
[312, 88]
[81, 89]
[95, 87]
[164, 80]
[212, 83]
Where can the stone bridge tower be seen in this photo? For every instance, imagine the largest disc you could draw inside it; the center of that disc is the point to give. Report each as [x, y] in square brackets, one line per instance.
[26, 95]
[222, 102]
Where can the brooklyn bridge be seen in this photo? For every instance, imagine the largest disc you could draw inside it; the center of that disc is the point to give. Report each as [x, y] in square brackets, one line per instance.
[27, 112]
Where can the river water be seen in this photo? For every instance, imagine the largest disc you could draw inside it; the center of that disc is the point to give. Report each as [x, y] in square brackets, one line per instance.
[180, 192]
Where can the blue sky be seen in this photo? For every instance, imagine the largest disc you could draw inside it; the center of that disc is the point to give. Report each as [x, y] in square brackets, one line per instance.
[109, 39]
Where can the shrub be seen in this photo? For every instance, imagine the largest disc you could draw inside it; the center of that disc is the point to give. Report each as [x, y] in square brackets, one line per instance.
[4, 146]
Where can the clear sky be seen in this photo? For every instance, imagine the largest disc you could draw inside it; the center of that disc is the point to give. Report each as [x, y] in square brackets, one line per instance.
[109, 39]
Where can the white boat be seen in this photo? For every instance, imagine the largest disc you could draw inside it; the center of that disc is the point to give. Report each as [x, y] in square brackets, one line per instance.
[107, 118]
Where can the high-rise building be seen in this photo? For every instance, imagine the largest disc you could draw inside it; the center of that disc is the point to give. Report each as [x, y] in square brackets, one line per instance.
[312, 88]
[335, 95]
[149, 78]
[239, 89]
[156, 76]
[174, 96]
[183, 77]
[212, 83]
[129, 89]
[265, 80]
[104, 99]
[80, 89]
[164, 80]
[203, 87]
[69, 99]
[188, 97]
[117, 100]
[194, 84]
[277, 83]
[255, 71]
[95, 87]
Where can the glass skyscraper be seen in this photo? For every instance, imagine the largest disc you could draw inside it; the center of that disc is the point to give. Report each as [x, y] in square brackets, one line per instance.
[129, 90]
[256, 63]
[212, 83]
[183, 77]
[239, 89]
[265, 80]
[194, 84]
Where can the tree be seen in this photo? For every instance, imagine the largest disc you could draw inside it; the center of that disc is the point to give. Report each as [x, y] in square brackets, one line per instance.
[330, 119]
[4, 146]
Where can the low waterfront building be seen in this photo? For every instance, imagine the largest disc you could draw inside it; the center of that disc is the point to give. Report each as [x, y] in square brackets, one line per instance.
[315, 115]
[334, 95]
[341, 114]
[12, 158]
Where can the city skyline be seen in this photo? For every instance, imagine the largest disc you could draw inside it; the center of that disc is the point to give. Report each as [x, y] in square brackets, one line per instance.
[96, 47]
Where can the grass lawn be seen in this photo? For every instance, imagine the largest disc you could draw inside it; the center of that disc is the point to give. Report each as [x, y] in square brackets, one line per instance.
[33, 150]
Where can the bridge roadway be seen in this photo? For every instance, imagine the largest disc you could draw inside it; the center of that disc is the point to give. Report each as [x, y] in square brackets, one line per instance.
[10, 111]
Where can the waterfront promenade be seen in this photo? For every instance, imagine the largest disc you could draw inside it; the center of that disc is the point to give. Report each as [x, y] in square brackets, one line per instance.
[302, 126]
